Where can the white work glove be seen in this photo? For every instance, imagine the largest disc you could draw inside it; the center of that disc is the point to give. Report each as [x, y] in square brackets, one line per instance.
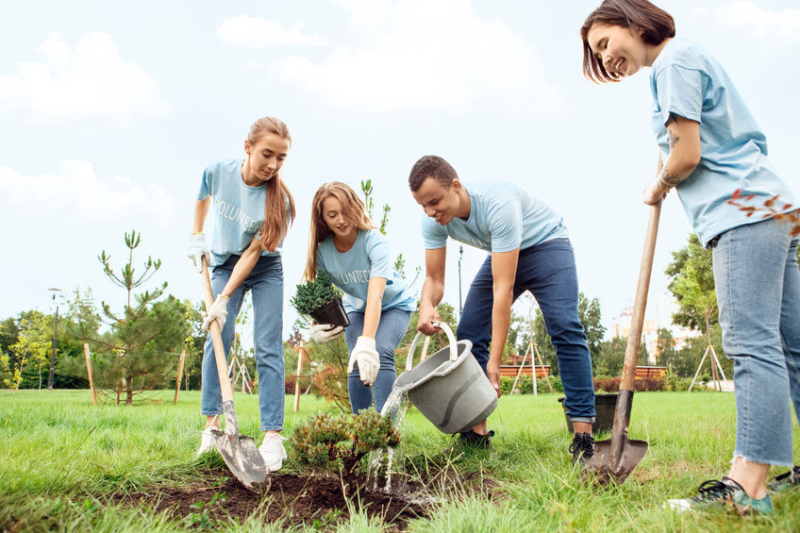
[325, 333]
[367, 358]
[218, 312]
[197, 249]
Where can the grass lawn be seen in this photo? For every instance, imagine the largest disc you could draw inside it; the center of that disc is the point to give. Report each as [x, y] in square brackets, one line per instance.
[62, 461]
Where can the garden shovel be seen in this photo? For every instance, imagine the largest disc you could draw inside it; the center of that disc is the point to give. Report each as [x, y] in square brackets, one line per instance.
[616, 458]
[239, 451]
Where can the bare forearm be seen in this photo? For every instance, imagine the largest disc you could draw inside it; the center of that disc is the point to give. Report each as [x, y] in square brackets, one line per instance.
[501, 321]
[684, 152]
[244, 266]
[200, 213]
[372, 312]
[432, 293]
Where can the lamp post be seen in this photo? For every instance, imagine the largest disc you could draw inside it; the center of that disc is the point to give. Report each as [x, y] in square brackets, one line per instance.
[56, 292]
[460, 257]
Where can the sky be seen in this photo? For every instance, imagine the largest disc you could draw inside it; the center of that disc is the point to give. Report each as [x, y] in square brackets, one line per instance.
[110, 111]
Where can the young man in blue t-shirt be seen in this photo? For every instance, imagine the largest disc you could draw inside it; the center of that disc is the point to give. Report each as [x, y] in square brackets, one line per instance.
[529, 250]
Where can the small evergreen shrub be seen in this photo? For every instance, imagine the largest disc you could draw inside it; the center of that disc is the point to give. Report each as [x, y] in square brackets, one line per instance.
[338, 443]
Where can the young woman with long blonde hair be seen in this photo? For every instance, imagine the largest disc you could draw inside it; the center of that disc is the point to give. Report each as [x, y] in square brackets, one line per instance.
[252, 209]
[345, 243]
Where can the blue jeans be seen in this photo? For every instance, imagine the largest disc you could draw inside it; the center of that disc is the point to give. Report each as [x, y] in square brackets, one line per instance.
[391, 329]
[548, 272]
[758, 293]
[266, 285]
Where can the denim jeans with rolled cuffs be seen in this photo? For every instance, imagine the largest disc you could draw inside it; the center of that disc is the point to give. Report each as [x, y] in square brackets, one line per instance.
[548, 271]
[265, 284]
[758, 293]
[391, 329]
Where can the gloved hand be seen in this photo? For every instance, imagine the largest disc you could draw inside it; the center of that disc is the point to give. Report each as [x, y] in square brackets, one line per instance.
[367, 358]
[325, 333]
[218, 312]
[197, 249]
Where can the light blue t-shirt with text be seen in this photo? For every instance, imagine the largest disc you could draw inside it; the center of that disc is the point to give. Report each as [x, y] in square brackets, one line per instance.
[238, 209]
[370, 257]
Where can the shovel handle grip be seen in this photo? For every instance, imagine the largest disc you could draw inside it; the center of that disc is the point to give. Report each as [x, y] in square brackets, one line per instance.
[216, 337]
[640, 303]
[450, 337]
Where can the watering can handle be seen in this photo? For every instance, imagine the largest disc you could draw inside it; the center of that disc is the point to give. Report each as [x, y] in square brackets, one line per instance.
[450, 337]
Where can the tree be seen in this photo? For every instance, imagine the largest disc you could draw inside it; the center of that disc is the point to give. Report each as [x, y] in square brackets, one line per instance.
[590, 316]
[611, 358]
[691, 275]
[33, 344]
[144, 339]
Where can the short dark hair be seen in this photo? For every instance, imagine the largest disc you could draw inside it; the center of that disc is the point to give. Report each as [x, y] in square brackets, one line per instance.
[655, 23]
[431, 166]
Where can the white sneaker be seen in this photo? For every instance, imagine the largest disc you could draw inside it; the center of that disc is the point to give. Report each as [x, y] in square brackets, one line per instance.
[272, 451]
[207, 443]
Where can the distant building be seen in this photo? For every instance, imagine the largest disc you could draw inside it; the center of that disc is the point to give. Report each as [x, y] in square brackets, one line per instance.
[658, 316]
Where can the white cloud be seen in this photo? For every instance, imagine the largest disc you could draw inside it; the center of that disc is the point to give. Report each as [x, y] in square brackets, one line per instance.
[88, 80]
[778, 26]
[430, 56]
[256, 32]
[77, 193]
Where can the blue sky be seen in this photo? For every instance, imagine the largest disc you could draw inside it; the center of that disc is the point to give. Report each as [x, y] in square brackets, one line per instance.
[109, 111]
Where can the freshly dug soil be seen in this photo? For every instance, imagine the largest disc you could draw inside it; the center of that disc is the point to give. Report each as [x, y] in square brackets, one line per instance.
[310, 500]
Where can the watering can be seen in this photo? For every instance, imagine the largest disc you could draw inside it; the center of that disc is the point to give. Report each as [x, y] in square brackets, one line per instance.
[449, 388]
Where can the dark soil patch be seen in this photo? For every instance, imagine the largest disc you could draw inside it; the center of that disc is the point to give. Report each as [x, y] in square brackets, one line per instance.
[293, 500]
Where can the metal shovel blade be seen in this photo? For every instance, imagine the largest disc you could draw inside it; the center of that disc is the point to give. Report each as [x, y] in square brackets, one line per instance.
[241, 453]
[616, 457]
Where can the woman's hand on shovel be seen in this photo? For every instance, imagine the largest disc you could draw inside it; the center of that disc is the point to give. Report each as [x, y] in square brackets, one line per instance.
[218, 312]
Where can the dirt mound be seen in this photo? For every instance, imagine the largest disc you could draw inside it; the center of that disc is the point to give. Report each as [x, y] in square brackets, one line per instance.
[311, 500]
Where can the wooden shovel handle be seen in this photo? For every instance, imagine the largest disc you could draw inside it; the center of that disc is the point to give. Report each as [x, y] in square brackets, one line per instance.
[216, 337]
[640, 303]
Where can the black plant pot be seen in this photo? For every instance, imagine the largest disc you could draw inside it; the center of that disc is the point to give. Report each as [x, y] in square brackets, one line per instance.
[604, 407]
[331, 313]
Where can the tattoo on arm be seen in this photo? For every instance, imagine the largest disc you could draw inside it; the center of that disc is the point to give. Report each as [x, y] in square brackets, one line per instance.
[668, 179]
[673, 139]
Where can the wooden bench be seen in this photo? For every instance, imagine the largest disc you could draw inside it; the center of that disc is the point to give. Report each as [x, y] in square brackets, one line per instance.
[651, 372]
[511, 371]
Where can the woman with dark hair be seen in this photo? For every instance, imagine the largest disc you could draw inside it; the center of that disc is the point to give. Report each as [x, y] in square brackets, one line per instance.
[252, 210]
[711, 150]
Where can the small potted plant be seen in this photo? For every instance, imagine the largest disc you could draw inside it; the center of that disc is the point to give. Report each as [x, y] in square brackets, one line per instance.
[321, 300]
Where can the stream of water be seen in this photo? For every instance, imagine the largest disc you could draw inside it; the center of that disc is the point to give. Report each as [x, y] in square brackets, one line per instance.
[396, 406]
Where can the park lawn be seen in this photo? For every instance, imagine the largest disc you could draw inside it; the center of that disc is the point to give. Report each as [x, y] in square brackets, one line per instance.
[62, 460]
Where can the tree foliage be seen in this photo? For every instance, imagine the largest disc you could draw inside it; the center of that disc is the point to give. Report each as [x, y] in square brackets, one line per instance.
[143, 340]
[590, 315]
[691, 276]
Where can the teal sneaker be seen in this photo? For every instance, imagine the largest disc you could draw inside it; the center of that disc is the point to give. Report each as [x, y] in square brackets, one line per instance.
[724, 493]
[785, 481]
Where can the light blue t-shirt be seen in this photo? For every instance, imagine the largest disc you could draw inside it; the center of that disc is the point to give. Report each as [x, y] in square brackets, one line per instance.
[502, 218]
[238, 209]
[370, 257]
[687, 81]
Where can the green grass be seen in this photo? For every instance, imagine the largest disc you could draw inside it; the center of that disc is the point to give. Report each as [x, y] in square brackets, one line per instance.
[61, 459]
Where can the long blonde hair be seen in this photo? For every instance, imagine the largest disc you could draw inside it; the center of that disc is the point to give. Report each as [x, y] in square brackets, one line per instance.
[352, 207]
[276, 219]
